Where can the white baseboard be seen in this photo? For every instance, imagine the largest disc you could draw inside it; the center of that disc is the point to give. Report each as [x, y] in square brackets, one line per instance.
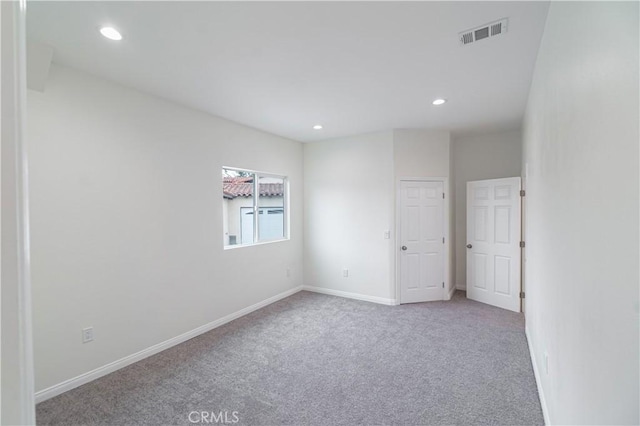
[89, 376]
[453, 290]
[348, 295]
[462, 287]
[536, 373]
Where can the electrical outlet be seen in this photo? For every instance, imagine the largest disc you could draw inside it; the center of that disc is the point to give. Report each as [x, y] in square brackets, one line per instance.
[546, 363]
[288, 272]
[345, 273]
[387, 235]
[87, 335]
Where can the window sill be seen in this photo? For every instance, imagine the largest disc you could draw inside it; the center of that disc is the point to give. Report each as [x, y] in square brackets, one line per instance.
[261, 243]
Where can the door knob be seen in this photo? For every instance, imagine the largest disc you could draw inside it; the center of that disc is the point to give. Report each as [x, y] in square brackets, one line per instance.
[469, 246]
[404, 247]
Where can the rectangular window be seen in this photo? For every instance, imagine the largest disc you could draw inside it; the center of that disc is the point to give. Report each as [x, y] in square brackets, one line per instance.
[248, 219]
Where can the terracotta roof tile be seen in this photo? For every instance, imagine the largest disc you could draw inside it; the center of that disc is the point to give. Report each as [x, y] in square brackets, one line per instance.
[239, 187]
[244, 179]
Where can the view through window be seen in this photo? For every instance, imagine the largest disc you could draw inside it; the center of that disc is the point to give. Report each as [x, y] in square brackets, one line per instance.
[248, 219]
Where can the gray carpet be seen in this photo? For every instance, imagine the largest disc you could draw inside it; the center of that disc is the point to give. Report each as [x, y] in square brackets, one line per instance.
[313, 359]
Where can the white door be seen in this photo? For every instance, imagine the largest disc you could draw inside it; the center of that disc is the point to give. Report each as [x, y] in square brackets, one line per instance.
[421, 232]
[493, 242]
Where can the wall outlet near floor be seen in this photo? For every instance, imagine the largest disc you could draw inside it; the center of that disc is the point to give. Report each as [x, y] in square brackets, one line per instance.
[87, 335]
[345, 273]
[546, 363]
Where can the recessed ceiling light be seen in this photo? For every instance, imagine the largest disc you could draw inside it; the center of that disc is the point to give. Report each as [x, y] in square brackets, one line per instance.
[317, 127]
[439, 101]
[111, 33]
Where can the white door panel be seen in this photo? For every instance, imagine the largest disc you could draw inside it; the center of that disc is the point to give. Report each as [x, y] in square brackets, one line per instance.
[421, 231]
[493, 242]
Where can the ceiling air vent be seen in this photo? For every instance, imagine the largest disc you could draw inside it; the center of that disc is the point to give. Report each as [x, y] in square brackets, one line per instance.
[489, 30]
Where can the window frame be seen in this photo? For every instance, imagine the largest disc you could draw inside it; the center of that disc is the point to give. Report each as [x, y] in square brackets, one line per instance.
[256, 208]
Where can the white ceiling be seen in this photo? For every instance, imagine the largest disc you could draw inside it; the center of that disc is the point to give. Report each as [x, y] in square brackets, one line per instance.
[354, 67]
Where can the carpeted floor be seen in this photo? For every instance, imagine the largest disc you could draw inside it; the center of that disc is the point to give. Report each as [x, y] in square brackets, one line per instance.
[313, 359]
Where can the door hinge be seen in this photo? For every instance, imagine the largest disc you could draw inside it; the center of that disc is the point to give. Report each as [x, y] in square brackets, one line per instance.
[442, 285]
[442, 240]
[522, 295]
[522, 193]
[521, 244]
[443, 195]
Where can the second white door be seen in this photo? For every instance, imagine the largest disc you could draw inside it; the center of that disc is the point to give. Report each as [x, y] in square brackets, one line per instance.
[421, 231]
[493, 242]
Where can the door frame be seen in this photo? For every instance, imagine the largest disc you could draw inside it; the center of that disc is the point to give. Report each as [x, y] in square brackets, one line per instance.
[447, 239]
[16, 279]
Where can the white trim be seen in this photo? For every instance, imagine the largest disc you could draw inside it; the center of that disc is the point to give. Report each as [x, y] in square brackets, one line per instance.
[348, 295]
[266, 174]
[89, 376]
[536, 373]
[447, 238]
[24, 239]
[261, 243]
[450, 295]
[462, 287]
[14, 100]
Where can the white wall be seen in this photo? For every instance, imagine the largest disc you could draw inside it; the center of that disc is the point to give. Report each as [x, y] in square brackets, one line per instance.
[348, 206]
[581, 164]
[480, 157]
[350, 186]
[127, 221]
[421, 153]
[427, 153]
